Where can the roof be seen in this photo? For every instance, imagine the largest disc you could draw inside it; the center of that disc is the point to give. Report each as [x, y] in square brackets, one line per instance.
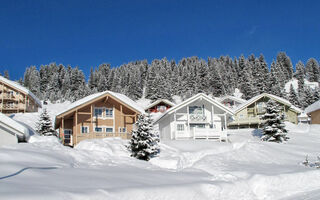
[313, 107]
[123, 98]
[20, 88]
[256, 98]
[13, 125]
[233, 98]
[159, 101]
[191, 99]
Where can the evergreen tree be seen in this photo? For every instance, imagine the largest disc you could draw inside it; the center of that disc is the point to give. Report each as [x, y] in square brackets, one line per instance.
[144, 142]
[6, 74]
[312, 70]
[274, 128]
[44, 125]
[293, 97]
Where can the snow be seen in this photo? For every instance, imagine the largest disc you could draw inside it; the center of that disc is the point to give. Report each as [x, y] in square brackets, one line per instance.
[12, 124]
[243, 168]
[294, 83]
[313, 107]
[159, 101]
[118, 96]
[21, 88]
[237, 93]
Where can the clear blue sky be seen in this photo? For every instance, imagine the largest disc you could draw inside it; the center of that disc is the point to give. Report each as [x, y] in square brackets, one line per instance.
[88, 33]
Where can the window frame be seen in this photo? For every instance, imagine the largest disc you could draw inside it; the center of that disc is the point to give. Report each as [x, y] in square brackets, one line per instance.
[180, 125]
[122, 128]
[112, 113]
[107, 128]
[94, 129]
[94, 112]
[202, 110]
[88, 130]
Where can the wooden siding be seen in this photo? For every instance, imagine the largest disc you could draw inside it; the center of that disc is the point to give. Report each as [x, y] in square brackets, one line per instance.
[123, 116]
[14, 101]
[315, 117]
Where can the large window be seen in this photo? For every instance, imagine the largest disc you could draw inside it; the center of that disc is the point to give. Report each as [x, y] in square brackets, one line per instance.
[98, 112]
[261, 107]
[196, 110]
[109, 112]
[67, 136]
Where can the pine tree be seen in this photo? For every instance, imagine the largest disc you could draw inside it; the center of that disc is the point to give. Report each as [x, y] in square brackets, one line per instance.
[6, 74]
[144, 142]
[274, 128]
[312, 70]
[44, 125]
[293, 97]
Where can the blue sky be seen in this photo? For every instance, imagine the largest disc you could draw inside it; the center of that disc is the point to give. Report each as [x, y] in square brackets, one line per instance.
[88, 33]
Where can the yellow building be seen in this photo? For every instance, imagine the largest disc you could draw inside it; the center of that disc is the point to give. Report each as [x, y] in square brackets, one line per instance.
[248, 114]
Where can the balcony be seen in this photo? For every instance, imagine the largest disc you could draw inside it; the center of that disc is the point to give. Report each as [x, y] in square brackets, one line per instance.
[246, 121]
[196, 118]
[94, 135]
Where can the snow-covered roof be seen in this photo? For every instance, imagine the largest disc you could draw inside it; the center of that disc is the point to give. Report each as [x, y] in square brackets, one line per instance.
[256, 98]
[123, 98]
[232, 98]
[14, 126]
[313, 107]
[159, 101]
[193, 98]
[20, 88]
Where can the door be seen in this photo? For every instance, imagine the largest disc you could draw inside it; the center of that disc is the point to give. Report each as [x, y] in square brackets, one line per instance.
[67, 137]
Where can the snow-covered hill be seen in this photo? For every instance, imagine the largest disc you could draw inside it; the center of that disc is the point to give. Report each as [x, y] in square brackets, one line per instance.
[244, 168]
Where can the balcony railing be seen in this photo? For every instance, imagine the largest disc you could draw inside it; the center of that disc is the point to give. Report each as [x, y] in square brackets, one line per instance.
[248, 120]
[197, 118]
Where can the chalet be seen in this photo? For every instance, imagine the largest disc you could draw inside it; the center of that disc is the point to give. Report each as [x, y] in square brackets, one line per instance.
[11, 131]
[231, 101]
[314, 112]
[160, 105]
[104, 114]
[14, 98]
[197, 117]
[249, 113]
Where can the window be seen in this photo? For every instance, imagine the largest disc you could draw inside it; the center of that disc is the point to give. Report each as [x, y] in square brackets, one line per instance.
[109, 112]
[109, 130]
[67, 136]
[84, 129]
[180, 127]
[98, 129]
[122, 129]
[197, 126]
[98, 112]
[161, 108]
[261, 107]
[197, 110]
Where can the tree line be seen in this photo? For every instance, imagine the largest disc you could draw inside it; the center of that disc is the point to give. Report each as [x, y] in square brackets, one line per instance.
[163, 79]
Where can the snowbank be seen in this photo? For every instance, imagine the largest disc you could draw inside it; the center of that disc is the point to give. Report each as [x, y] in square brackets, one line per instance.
[243, 168]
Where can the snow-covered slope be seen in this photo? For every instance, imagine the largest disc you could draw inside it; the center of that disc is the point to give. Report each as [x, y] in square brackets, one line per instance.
[244, 168]
[294, 83]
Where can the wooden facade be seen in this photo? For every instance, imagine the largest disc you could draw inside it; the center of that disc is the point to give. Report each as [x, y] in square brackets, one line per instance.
[105, 116]
[15, 100]
[315, 117]
[249, 115]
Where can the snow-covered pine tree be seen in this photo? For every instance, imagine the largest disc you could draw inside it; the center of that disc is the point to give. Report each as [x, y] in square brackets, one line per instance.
[144, 142]
[274, 129]
[312, 70]
[293, 97]
[44, 125]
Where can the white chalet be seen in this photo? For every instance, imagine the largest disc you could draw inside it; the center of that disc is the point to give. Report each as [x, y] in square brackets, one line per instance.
[197, 117]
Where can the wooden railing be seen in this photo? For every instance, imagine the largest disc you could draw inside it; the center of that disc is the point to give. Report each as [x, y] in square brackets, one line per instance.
[208, 133]
[95, 135]
[247, 120]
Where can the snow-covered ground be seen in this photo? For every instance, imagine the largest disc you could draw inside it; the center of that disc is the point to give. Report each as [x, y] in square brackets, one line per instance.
[243, 168]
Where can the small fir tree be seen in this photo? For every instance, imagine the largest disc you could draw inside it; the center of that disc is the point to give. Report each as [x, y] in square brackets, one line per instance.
[274, 128]
[144, 142]
[44, 125]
